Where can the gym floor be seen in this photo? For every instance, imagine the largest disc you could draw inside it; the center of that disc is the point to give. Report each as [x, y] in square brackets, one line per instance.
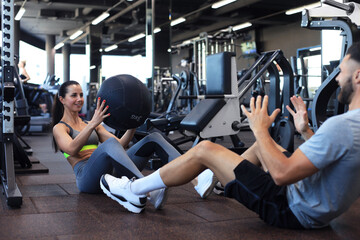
[53, 208]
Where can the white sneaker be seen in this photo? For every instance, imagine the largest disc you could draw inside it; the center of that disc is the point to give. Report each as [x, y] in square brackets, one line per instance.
[118, 189]
[206, 183]
[158, 198]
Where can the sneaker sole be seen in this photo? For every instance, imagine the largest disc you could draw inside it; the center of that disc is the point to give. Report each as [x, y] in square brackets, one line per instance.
[163, 200]
[129, 206]
[219, 191]
[210, 188]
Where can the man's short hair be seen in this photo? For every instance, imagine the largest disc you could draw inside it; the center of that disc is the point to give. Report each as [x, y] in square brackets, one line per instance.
[354, 51]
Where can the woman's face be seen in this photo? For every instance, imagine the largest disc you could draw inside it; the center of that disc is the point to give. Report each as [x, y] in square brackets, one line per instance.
[74, 98]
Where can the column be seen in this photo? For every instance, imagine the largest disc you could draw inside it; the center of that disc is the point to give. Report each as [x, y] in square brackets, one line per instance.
[150, 9]
[66, 51]
[94, 41]
[50, 54]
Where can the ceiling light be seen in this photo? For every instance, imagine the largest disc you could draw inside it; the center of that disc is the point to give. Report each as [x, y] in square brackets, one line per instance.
[136, 37]
[299, 9]
[177, 21]
[221, 3]
[20, 13]
[100, 18]
[59, 45]
[92, 67]
[156, 30]
[76, 34]
[241, 26]
[112, 47]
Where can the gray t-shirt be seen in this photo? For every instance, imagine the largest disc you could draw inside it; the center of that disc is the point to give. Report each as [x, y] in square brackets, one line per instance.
[335, 151]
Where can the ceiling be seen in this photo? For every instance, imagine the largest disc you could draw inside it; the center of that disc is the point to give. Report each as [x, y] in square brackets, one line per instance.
[127, 18]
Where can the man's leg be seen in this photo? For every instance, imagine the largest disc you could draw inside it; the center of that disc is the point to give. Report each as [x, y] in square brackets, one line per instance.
[204, 155]
[206, 181]
[131, 194]
[253, 155]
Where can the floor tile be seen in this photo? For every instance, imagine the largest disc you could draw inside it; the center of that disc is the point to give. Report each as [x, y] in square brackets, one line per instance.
[48, 225]
[38, 179]
[41, 190]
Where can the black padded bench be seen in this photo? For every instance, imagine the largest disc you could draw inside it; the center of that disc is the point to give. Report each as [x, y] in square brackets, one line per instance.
[218, 83]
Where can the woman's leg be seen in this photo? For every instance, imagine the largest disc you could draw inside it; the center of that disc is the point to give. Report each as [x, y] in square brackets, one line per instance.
[140, 152]
[121, 162]
[110, 154]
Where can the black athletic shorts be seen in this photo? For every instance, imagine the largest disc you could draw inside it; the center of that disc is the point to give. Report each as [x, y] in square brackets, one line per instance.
[256, 190]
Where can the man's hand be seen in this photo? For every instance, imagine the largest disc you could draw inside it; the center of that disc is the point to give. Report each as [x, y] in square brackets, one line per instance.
[301, 119]
[259, 119]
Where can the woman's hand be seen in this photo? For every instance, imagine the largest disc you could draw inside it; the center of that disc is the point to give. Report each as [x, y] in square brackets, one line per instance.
[259, 118]
[100, 113]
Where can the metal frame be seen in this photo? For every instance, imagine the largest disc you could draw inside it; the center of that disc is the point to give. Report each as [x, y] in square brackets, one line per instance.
[12, 192]
[347, 14]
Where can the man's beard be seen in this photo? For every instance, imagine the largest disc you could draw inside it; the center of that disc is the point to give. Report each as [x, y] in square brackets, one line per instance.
[346, 92]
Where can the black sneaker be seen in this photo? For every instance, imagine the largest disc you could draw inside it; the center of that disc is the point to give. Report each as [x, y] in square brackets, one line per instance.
[218, 189]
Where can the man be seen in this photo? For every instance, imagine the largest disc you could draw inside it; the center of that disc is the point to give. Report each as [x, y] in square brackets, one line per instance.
[307, 189]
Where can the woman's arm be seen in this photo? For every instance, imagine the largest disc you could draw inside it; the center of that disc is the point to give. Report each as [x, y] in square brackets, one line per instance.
[124, 140]
[66, 143]
[73, 146]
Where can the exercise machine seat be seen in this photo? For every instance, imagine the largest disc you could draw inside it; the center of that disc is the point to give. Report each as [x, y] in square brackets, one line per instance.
[201, 114]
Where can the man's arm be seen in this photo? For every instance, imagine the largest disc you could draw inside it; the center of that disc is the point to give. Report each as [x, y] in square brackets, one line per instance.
[282, 169]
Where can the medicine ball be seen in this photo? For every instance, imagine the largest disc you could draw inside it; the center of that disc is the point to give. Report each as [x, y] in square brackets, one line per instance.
[128, 99]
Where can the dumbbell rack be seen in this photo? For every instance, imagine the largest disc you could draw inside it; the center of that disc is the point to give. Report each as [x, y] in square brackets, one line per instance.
[10, 188]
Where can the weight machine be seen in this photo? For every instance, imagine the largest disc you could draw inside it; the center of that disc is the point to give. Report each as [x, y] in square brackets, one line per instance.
[206, 45]
[10, 188]
[218, 114]
[332, 15]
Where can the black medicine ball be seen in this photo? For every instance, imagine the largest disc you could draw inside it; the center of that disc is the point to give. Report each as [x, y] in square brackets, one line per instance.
[128, 99]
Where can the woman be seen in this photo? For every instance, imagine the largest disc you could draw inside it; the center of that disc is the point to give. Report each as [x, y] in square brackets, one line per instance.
[23, 73]
[78, 140]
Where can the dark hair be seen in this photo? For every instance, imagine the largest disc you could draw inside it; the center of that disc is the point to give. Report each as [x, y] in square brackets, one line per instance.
[57, 110]
[354, 51]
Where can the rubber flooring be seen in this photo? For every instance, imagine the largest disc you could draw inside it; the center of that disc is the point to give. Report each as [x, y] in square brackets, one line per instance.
[53, 208]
